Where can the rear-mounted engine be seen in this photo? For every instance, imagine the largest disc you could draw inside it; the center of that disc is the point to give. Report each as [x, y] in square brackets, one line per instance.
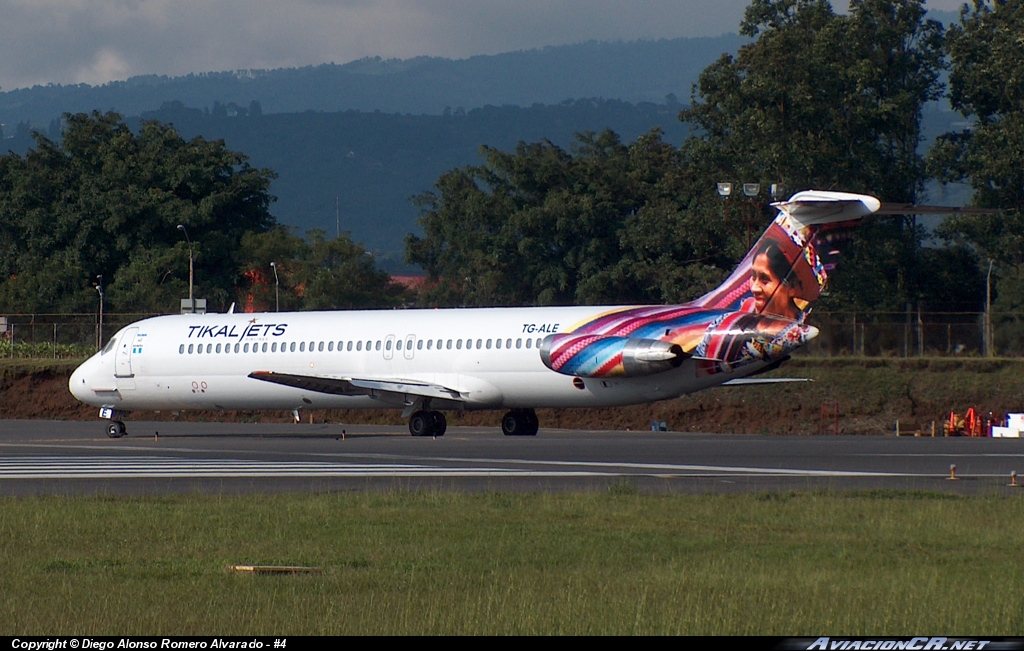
[585, 355]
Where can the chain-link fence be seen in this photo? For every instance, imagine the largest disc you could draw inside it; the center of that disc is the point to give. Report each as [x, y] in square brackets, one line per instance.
[916, 334]
[888, 334]
[58, 336]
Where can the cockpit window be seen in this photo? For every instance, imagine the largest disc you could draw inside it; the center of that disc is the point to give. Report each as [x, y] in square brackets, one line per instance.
[109, 347]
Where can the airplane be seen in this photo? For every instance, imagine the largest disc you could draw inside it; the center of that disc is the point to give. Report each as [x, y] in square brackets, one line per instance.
[428, 361]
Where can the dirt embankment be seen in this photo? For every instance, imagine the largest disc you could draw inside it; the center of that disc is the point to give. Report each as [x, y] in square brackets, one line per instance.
[871, 395]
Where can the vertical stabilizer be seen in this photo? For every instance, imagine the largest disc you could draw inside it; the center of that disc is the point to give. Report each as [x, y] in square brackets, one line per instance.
[789, 266]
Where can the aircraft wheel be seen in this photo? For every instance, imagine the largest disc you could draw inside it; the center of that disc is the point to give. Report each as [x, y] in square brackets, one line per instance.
[440, 423]
[116, 429]
[532, 422]
[421, 424]
[519, 422]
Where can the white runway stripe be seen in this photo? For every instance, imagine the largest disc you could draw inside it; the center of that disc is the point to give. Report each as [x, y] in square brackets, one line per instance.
[106, 467]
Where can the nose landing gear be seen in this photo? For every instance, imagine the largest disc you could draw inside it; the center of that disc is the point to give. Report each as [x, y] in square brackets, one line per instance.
[520, 422]
[116, 429]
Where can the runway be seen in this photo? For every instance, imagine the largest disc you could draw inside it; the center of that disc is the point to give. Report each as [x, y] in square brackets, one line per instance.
[49, 457]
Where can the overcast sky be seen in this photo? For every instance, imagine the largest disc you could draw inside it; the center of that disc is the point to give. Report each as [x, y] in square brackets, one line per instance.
[94, 41]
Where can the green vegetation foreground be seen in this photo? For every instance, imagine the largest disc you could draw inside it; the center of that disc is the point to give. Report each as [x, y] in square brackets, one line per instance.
[444, 563]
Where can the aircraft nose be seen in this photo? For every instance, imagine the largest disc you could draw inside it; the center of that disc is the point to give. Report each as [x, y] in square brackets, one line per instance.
[79, 382]
[811, 332]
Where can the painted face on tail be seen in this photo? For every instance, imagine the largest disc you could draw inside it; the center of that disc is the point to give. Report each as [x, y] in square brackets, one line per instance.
[772, 294]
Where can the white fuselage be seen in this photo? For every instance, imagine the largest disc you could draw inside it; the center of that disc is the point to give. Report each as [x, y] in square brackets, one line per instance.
[156, 364]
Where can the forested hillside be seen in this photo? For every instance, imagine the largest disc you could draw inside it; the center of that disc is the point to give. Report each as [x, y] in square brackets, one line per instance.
[362, 168]
[639, 71]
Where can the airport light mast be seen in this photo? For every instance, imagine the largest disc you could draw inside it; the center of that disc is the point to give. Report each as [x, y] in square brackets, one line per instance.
[191, 276]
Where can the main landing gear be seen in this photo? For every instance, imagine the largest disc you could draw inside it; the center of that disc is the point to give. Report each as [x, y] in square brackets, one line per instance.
[116, 429]
[520, 422]
[427, 423]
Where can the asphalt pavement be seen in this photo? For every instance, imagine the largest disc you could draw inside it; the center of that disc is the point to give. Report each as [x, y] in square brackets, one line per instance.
[56, 457]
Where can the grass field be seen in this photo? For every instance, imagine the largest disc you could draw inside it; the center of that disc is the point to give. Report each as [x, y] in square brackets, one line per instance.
[448, 563]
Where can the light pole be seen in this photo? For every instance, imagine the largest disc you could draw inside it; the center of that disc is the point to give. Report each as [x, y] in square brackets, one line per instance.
[988, 311]
[277, 288]
[99, 290]
[750, 208]
[191, 276]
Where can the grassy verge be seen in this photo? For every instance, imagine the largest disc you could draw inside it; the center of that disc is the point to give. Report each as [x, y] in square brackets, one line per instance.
[872, 394]
[446, 563]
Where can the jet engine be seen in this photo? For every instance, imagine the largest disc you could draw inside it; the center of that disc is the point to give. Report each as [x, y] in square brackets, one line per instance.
[587, 355]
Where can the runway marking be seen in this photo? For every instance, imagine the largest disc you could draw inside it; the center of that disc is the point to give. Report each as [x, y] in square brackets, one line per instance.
[650, 468]
[108, 467]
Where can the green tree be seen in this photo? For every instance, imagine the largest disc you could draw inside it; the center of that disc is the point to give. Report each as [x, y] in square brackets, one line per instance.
[546, 226]
[108, 201]
[987, 87]
[827, 101]
[318, 274]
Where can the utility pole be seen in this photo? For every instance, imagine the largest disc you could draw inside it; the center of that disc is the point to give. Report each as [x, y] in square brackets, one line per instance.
[191, 275]
[99, 335]
[988, 311]
[277, 288]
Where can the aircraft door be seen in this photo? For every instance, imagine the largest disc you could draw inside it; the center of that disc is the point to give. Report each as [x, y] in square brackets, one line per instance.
[410, 341]
[389, 347]
[123, 361]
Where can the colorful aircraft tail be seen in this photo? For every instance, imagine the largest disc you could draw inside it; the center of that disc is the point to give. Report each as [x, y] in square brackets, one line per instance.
[790, 264]
[757, 314]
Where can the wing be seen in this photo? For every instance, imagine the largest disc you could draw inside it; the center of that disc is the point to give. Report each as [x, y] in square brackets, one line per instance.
[748, 381]
[391, 390]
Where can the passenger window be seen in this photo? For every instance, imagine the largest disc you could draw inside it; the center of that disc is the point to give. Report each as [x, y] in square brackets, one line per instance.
[449, 346]
[538, 342]
[479, 343]
[458, 344]
[430, 344]
[330, 346]
[488, 344]
[519, 343]
[377, 347]
[469, 344]
[359, 345]
[264, 346]
[190, 349]
[369, 345]
[497, 343]
[529, 342]
[273, 347]
[419, 345]
[387, 346]
[181, 349]
[209, 348]
[245, 348]
[302, 346]
[311, 346]
[320, 347]
[398, 344]
[236, 347]
[508, 343]
[218, 348]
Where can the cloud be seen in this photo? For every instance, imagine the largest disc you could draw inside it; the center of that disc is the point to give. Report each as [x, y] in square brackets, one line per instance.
[93, 41]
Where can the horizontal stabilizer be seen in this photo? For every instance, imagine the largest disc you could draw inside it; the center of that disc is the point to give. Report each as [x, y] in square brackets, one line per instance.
[748, 381]
[823, 207]
[913, 209]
